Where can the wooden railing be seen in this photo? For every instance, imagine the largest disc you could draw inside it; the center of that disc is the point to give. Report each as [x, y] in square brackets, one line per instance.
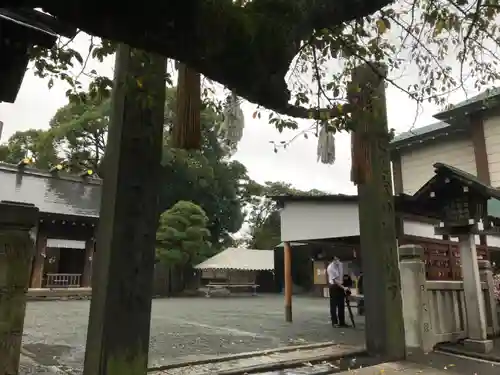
[63, 280]
[442, 258]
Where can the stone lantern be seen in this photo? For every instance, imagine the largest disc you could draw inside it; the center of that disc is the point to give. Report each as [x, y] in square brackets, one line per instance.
[460, 207]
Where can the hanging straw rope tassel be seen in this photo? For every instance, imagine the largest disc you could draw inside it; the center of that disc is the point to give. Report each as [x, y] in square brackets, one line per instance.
[234, 121]
[360, 149]
[366, 97]
[360, 154]
[326, 146]
[186, 133]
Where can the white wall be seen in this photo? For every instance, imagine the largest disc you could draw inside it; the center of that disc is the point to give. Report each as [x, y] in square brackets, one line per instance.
[417, 165]
[65, 244]
[416, 228]
[493, 241]
[322, 220]
[492, 141]
[319, 220]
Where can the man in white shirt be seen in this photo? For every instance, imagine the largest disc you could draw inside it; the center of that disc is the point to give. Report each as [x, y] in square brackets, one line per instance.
[335, 273]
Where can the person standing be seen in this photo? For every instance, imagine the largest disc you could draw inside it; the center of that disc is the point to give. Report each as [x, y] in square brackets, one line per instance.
[335, 272]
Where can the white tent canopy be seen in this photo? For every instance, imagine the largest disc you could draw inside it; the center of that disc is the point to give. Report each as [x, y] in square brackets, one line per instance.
[240, 259]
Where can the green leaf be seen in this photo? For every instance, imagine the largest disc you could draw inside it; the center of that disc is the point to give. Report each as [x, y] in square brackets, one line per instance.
[383, 25]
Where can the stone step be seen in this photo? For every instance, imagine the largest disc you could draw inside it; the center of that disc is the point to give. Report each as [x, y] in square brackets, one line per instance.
[303, 361]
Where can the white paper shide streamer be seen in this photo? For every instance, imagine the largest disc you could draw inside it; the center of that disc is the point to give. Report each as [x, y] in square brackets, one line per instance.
[234, 122]
[326, 146]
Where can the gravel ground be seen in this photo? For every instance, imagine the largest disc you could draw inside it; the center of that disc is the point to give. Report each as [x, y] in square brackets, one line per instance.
[187, 328]
[184, 329]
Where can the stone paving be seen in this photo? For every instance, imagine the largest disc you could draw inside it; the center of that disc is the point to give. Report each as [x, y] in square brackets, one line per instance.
[433, 364]
[188, 328]
[415, 364]
[460, 349]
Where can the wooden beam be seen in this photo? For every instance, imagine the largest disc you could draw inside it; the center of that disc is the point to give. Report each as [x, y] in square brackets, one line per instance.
[38, 260]
[480, 155]
[384, 317]
[397, 173]
[120, 311]
[288, 281]
[88, 263]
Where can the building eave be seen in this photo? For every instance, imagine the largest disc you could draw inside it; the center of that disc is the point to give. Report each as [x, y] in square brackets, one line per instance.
[419, 140]
[478, 103]
[281, 200]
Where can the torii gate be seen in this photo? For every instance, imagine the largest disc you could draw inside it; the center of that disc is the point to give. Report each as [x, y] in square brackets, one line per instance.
[372, 173]
[118, 334]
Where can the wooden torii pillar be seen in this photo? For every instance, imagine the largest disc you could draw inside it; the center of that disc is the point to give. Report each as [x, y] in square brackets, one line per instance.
[372, 173]
[122, 282]
[287, 256]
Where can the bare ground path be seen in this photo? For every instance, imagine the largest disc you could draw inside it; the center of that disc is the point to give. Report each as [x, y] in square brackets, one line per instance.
[188, 328]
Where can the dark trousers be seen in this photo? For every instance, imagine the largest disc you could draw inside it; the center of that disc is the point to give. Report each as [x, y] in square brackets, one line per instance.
[361, 307]
[337, 305]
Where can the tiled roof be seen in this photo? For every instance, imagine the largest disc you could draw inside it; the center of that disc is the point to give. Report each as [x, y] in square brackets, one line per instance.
[52, 194]
[467, 179]
[442, 169]
[21, 20]
[29, 30]
[240, 259]
[452, 120]
[416, 132]
[486, 99]
[314, 198]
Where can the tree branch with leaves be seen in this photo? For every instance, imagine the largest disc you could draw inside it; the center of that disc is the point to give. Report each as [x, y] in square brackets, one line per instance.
[262, 49]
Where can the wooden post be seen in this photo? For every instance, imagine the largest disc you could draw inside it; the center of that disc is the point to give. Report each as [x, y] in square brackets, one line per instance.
[288, 280]
[39, 260]
[87, 266]
[382, 285]
[16, 255]
[122, 282]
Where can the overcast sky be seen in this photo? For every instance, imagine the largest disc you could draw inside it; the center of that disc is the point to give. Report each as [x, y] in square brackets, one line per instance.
[36, 104]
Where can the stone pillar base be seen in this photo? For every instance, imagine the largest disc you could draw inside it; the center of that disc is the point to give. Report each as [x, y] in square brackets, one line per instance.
[478, 346]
